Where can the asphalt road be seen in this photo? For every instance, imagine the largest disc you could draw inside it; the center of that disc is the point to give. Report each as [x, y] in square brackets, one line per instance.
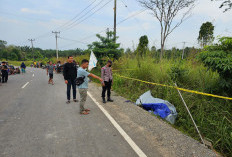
[35, 121]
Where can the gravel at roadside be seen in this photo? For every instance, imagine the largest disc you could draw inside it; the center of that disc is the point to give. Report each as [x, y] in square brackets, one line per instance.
[148, 131]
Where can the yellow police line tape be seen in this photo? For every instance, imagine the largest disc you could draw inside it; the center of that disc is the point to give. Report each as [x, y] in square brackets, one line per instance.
[124, 69]
[181, 89]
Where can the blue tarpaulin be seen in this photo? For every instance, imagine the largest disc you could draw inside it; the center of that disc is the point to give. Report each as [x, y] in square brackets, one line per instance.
[159, 107]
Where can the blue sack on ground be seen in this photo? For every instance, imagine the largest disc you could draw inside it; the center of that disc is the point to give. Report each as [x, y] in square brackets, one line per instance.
[147, 99]
[159, 109]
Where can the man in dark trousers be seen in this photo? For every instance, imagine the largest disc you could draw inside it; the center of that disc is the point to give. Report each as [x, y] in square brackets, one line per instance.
[4, 72]
[70, 74]
[107, 76]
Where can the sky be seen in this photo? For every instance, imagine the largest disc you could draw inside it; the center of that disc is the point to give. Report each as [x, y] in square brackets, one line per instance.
[36, 19]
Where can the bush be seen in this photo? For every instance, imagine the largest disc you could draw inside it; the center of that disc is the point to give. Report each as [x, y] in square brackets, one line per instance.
[219, 58]
[212, 115]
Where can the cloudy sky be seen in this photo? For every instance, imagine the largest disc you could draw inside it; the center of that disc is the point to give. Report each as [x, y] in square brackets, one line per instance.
[21, 20]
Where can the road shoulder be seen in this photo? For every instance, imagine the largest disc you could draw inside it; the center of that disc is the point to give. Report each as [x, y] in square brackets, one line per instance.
[149, 132]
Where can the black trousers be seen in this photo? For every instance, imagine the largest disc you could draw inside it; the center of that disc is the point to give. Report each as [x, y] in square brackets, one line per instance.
[4, 77]
[73, 84]
[107, 88]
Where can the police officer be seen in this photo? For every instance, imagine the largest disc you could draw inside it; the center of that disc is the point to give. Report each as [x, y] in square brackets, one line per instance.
[107, 76]
[4, 72]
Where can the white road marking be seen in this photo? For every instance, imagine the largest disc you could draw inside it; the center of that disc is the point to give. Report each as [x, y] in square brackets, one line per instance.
[133, 145]
[25, 85]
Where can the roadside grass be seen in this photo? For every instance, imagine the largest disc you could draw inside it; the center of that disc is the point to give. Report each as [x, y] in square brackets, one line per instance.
[212, 115]
[18, 63]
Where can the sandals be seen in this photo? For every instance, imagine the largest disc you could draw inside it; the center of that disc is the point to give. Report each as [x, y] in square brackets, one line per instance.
[75, 100]
[68, 102]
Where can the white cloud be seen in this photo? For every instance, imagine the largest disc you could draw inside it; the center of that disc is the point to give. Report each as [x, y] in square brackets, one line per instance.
[27, 10]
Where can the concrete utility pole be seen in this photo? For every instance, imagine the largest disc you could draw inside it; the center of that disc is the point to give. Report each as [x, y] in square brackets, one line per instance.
[183, 50]
[55, 32]
[115, 18]
[31, 40]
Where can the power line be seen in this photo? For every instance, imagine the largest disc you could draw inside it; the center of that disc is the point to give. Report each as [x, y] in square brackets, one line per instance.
[106, 28]
[77, 15]
[88, 16]
[87, 37]
[73, 40]
[41, 36]
[137, 20]
[47, 33]
[131, 16]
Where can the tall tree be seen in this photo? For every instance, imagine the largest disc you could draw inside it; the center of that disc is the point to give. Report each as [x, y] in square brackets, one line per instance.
[165, 12]
[142, 48]
[143, 45]
[206, 34]
[2, 44]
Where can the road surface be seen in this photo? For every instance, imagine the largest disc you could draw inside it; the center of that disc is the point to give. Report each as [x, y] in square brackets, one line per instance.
[35, 121]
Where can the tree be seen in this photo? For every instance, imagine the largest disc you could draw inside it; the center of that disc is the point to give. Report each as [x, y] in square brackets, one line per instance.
[219, 58]
[206, 34]
[165, 12]
[17, 53]
[143, 45]
[225, 3]
[2, 44]
[13, 56]
[142, 48]
[106, 47]
[5, 54]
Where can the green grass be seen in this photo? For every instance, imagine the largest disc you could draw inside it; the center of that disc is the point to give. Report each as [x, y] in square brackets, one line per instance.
[18, 63]
[212, 115]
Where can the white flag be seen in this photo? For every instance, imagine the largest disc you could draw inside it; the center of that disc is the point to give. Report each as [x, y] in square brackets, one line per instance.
[92, 61]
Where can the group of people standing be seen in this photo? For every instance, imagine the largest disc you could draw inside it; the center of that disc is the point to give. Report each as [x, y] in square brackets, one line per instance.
[72, 74]
[6, 70]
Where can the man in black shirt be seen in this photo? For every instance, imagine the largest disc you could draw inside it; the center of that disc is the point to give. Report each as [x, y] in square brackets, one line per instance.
[70, 74]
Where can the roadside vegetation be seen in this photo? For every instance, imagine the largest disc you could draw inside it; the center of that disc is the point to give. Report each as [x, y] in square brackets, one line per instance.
[207, 69]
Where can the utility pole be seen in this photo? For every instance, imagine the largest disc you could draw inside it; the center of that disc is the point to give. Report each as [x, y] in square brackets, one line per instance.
[115, 18]
[183, 50]
[55, 32]
[31, 40]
